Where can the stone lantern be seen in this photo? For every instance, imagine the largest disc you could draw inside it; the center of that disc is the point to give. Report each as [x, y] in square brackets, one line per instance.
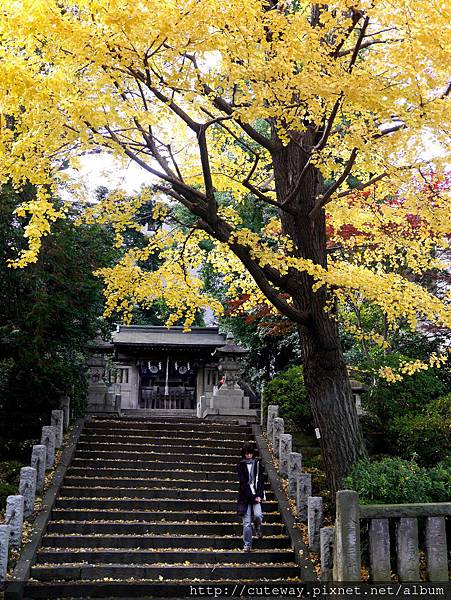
[228, 399]
[229, 362]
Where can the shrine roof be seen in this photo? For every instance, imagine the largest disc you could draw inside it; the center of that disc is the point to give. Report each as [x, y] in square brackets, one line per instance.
[159, 336]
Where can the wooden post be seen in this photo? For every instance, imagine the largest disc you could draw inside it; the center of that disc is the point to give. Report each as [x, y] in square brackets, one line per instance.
[327, 539]
[436, 550]
[407, 549]
[347, 563]
[379, 550]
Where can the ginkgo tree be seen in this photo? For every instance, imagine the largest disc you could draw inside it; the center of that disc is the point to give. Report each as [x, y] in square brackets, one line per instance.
[305, 108]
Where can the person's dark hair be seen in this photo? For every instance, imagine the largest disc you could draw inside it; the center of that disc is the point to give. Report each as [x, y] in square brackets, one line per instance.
[248, 448]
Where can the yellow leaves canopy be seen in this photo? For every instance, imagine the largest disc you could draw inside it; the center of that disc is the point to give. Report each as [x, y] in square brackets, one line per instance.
[196, 92]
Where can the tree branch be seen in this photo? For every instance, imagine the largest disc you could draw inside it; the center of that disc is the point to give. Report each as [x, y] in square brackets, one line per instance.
[208, 181]
[324, 199]
[362, 186]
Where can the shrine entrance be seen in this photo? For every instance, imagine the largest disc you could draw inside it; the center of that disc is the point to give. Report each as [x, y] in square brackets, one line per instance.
[160, 368]
[168, 383]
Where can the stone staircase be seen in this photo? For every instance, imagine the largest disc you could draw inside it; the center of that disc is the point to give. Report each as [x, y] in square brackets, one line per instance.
[149, 504]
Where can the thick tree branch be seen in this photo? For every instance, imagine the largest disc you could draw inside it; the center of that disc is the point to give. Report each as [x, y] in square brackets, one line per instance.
[362, 186]
[325, 198]
[208, 180]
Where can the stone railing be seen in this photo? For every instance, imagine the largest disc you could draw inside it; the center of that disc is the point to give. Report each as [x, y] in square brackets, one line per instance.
[309, 508]
[32, 479]
[339, 546]
[347, 554]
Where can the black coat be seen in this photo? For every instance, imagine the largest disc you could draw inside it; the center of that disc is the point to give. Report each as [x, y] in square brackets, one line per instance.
[244, 493]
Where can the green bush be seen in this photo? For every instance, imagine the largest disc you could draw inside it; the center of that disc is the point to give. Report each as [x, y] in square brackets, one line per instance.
[389, 400]
[426, 435]
[396, 481]
[9, 479]
[287, 390]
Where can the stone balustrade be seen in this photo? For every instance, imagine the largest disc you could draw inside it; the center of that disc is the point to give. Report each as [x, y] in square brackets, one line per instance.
[32, 480]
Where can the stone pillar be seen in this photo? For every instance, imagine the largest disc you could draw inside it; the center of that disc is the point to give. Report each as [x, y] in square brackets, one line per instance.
[379, 550]
[407, 549]
[57, 420]
[27, 489]
[14, 518]
[285, 447]
[4, 551]
[347, 559]
[326, 541]
[278, 429]
[294, 470]
[303, 491]
[38, 462]
[315, 520]
[48, 439]
[436, 550]
[65, 407]
[273, 412]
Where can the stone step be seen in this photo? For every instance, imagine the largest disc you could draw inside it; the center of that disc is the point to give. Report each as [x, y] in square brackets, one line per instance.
[87, 572]
[147, 483]
[160, 541]
[144, 504]
[190, 413]
[152, 516]
[170, 425]
[178, 457]
[168, 448]
[152, 474]
[154, 464]
[167, 556]
[111, 492]
[124, 590]
[185, 433]
[145, 528]
[162, 440]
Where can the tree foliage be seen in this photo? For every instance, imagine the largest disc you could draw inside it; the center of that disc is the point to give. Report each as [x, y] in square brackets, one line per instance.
[323, 114]
[48, 312]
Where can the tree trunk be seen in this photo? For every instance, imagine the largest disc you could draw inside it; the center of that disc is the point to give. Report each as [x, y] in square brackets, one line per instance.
[325, 373]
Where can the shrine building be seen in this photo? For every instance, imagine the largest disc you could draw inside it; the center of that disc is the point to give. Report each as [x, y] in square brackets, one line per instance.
[155, 369]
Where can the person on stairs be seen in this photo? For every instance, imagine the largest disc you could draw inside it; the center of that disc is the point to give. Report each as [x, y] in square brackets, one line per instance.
[250, 495]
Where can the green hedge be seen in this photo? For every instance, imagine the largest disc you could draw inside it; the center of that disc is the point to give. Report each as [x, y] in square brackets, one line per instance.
[425, 435]
[396, 481]
[287, 390]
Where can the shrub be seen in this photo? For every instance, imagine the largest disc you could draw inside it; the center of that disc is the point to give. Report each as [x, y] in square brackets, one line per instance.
[426, 435]
[9, 479]
[411, 395]
[396, 481]
[287, 390]
[7, 489]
